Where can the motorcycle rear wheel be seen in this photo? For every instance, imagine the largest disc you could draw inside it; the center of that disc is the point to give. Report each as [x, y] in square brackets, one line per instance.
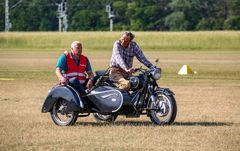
[101, 118]
[61, 118]
[166, 112]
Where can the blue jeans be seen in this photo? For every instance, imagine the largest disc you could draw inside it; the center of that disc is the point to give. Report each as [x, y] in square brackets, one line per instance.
[74, 82]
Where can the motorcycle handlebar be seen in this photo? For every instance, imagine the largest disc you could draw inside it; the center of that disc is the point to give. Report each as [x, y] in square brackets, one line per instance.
[146, 70]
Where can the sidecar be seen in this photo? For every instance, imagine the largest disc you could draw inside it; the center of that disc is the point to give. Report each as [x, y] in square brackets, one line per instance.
[72, 99]
[65, 104]
[103, 99]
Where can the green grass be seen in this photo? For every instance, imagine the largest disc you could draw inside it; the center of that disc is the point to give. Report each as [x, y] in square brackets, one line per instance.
[98, 41]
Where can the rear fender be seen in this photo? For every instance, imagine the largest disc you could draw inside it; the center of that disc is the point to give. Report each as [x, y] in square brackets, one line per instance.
[75, 103]
[165, 91]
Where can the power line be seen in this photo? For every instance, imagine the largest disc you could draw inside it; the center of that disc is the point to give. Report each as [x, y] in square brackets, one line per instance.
[16, 4]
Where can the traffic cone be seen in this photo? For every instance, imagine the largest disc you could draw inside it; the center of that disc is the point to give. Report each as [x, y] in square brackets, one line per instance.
[185, 70]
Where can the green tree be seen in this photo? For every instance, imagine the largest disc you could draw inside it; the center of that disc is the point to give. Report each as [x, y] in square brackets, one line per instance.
[177, 20]
[87, 15]
[41, 15]
[211, 14]
[2, 17]
[121, 22]
[196, 15]
[233, 19]
[147, 15]
[35, 15]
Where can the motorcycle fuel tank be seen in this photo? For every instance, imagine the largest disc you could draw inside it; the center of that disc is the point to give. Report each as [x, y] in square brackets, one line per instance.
[106, 99]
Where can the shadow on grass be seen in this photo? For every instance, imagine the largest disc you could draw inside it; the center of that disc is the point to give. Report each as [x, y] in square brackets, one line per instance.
[148, 123]
[117, 123]
[207, 124]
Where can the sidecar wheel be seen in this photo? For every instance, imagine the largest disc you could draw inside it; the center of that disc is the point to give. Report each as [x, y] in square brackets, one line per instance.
[101, 118]
[61, 118]
[166, 110]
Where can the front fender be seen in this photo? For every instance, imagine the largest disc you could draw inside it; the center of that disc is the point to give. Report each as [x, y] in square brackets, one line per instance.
[165, 91]
[63, 92]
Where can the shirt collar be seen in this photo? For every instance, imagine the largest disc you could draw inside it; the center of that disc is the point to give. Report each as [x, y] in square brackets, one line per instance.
[73, 57]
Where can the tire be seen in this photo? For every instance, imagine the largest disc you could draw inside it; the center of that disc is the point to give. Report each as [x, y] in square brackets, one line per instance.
[166, 111]
[101, 118]
[61, 118]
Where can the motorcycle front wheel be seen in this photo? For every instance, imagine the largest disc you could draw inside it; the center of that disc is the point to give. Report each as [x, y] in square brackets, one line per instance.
[101, 118]
[165, 110]
[60, 117]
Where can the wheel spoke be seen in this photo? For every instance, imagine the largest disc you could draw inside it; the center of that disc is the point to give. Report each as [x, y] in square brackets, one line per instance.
[59, 116]
[164, 112]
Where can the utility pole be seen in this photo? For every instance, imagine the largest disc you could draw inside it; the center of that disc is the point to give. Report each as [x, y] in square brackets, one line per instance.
[62, 16]
[225, 9]
[111, 15]
[8, 24]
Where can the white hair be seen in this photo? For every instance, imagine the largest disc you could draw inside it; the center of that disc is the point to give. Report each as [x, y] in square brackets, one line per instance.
[75, 43]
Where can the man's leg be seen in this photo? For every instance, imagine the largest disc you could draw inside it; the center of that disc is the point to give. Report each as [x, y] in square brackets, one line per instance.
[74, 82]
[124, 84]
[118, 77]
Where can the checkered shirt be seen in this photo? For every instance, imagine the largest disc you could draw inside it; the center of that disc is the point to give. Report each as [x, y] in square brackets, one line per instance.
[123, 57]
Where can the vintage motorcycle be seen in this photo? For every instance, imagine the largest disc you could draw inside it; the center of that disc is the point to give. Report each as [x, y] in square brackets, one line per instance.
[107, 102]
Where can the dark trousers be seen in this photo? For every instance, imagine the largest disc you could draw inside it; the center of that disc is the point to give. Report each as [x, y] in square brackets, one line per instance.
[74, 82]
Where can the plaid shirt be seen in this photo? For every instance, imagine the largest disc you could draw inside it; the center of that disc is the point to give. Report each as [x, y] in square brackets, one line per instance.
[123, 57]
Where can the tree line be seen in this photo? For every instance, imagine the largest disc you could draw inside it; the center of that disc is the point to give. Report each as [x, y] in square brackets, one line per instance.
[138, 15]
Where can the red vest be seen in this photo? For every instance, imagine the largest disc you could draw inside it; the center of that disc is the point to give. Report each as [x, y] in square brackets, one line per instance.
[74, 70]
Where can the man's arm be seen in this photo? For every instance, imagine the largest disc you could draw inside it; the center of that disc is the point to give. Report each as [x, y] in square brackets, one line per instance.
[61, 65]
[90, 75]
[118, 56]
[60, 76]
[140, 56]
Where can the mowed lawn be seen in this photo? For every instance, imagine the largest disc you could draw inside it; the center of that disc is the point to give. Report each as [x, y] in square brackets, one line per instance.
[208, 115]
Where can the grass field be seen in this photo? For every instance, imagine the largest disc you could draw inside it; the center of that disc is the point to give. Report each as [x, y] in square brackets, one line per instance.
[208, 102]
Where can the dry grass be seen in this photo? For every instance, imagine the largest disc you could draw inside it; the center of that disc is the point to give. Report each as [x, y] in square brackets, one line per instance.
[208, 119]
[208, 105]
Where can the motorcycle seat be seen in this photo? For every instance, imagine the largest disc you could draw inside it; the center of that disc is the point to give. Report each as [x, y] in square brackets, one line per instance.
[102, 72]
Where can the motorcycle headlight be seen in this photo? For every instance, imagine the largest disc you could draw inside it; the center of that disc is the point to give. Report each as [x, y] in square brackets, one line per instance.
[156, 73]
[134, 81]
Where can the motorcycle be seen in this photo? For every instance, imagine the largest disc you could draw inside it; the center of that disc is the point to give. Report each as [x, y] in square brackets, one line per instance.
[106, 102]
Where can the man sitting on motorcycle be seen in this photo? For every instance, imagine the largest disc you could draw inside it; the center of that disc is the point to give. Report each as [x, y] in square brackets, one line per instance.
[72, 66]
[121, 61]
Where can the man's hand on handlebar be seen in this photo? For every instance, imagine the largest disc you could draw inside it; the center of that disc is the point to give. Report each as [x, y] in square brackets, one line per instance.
[63, 80]
[130, 71]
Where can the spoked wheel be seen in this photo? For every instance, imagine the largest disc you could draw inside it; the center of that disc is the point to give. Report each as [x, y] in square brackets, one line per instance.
[166, 110]
[60, 117]
[101, 118]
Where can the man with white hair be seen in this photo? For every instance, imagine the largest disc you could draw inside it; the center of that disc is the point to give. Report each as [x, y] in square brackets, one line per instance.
[73, 66]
